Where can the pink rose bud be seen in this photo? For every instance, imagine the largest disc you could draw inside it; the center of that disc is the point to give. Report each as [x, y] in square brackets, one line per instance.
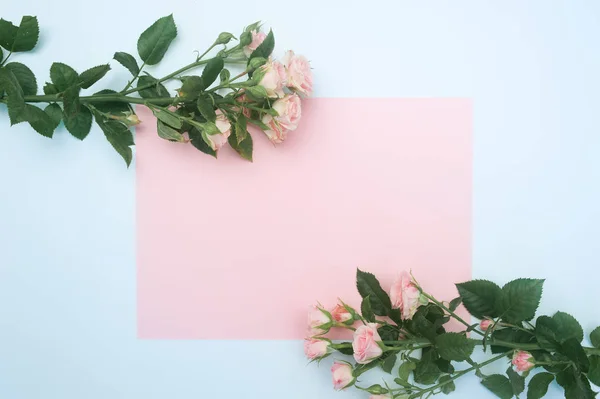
[218, 140]
[522, 361]
[257, 39]
[342, 315]
[485, 324]
[289, 109]
[272, 77]
[342, 375]
[316, 349]
[299, 73]
[319, 321]
[405, 296]
[366, 343]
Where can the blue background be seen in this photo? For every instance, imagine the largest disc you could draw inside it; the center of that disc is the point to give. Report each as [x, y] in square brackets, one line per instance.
[67, 208]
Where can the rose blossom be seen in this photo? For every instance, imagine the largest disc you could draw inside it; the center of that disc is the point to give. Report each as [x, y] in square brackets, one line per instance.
[342, 375]
[218, 140]
[257, 38]
[341, 315]
[366, 343]
[272, 78]
[299, 74]
[405, 296]
[319, 321]
[289, 109]
[522, 361]
[485, 324]
[316, 348]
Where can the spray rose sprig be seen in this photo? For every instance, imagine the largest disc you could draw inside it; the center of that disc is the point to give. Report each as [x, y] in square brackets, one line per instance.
[404, 332]
[208, 110]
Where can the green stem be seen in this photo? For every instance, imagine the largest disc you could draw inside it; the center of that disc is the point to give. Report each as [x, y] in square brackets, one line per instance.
[226, 84]
[458, 375]
[134, 78]
[206, 52]
[104, 98]
[6, 59]
[451, 313]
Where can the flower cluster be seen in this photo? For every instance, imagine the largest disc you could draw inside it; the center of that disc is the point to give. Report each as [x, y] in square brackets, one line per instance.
[393, 327]
[209, 110]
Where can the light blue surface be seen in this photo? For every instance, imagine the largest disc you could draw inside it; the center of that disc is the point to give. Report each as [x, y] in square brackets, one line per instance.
[67, 209]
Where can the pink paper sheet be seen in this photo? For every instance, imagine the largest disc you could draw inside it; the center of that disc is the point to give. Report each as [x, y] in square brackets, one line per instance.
[229, 249]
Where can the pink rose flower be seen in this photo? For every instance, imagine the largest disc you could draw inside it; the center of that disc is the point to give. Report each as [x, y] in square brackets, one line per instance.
[299, 73]
[289, 109]
[341, 315]
[273, 78]
[405, 296]
[319, 321]
[342, 375]
[316, 348]
[522, 361]
[218, 140]
[485, 324]
[257, 39]
[366, 344]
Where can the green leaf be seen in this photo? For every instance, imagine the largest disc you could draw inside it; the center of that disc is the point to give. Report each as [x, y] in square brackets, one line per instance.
[388, 332]
[567, 327]
[211, 71]
[168, 133]
[241, 128]
[119, 136]
[155, 41]
[224, 75]
[167, 117]
[345, 351]
[63, 76]
[538, 386]
[516, 380]
[479, 297]
[206, 108]
[157, 90]
[576, 385]
[572, 349]
[427, 371]
[79, 123]
[594, 372]
[499, 385]
[198, 142]
[595, 337]
[25, 77]
[546, 332]
[50, 89]
[128, 61]
[1, 54]
[39, 120]
[55, 113]
[388, 363]
[111, 107]
[448, 386]
[92, 75]
[405, 369]
[244, 148]
[15, 101]
[520, 299]
[445, 366]
[454, 304]
[365, 309]
[265, 49]
[454, 346]
[19, 38]
[368, 285]
[191, 88]
[71, 102]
